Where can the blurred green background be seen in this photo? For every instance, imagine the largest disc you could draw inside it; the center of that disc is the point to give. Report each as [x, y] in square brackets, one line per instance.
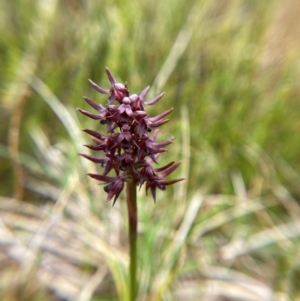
[230, 70]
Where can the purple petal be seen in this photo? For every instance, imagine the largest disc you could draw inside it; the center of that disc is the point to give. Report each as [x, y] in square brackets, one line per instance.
[95, 159]
[150, 160]
[110, 77]
[161, 115]
[121, 109]
[129, 111]
[158, 123]
[154, 135]
[164, 167]
[153, 158]
[88, 114]
[162, 144]
[97, 107]
[153, 190]
[94, 147]
[166, 183]
[169, 170]
[94, 134]
[144, 93]
[115, 190]
[139, 113]
[102, 178]
[134, 97]
[99, 89]
[154, 100]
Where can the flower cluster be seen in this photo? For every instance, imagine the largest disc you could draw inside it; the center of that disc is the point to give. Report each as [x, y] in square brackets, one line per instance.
[129, 150]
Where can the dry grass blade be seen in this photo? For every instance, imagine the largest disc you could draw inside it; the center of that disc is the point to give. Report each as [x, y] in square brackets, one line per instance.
[56, 247]
[213, 290]
[260, 240]
[227, 216]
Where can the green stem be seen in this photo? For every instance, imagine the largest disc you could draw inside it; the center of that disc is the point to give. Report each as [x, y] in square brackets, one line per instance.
[132, 223]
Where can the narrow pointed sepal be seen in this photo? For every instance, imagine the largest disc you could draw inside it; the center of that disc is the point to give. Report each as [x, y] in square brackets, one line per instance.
[144, 93]
[97, 107]
[110, 77]
[88, 114]
[99, 89]
[154, 100]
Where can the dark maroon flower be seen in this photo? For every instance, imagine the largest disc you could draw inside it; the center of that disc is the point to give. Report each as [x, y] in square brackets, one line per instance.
[147, 146]
[114, 187]
[146, 124]
[128, 149]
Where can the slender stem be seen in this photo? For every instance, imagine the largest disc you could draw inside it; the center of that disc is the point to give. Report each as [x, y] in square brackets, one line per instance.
[132, 223]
